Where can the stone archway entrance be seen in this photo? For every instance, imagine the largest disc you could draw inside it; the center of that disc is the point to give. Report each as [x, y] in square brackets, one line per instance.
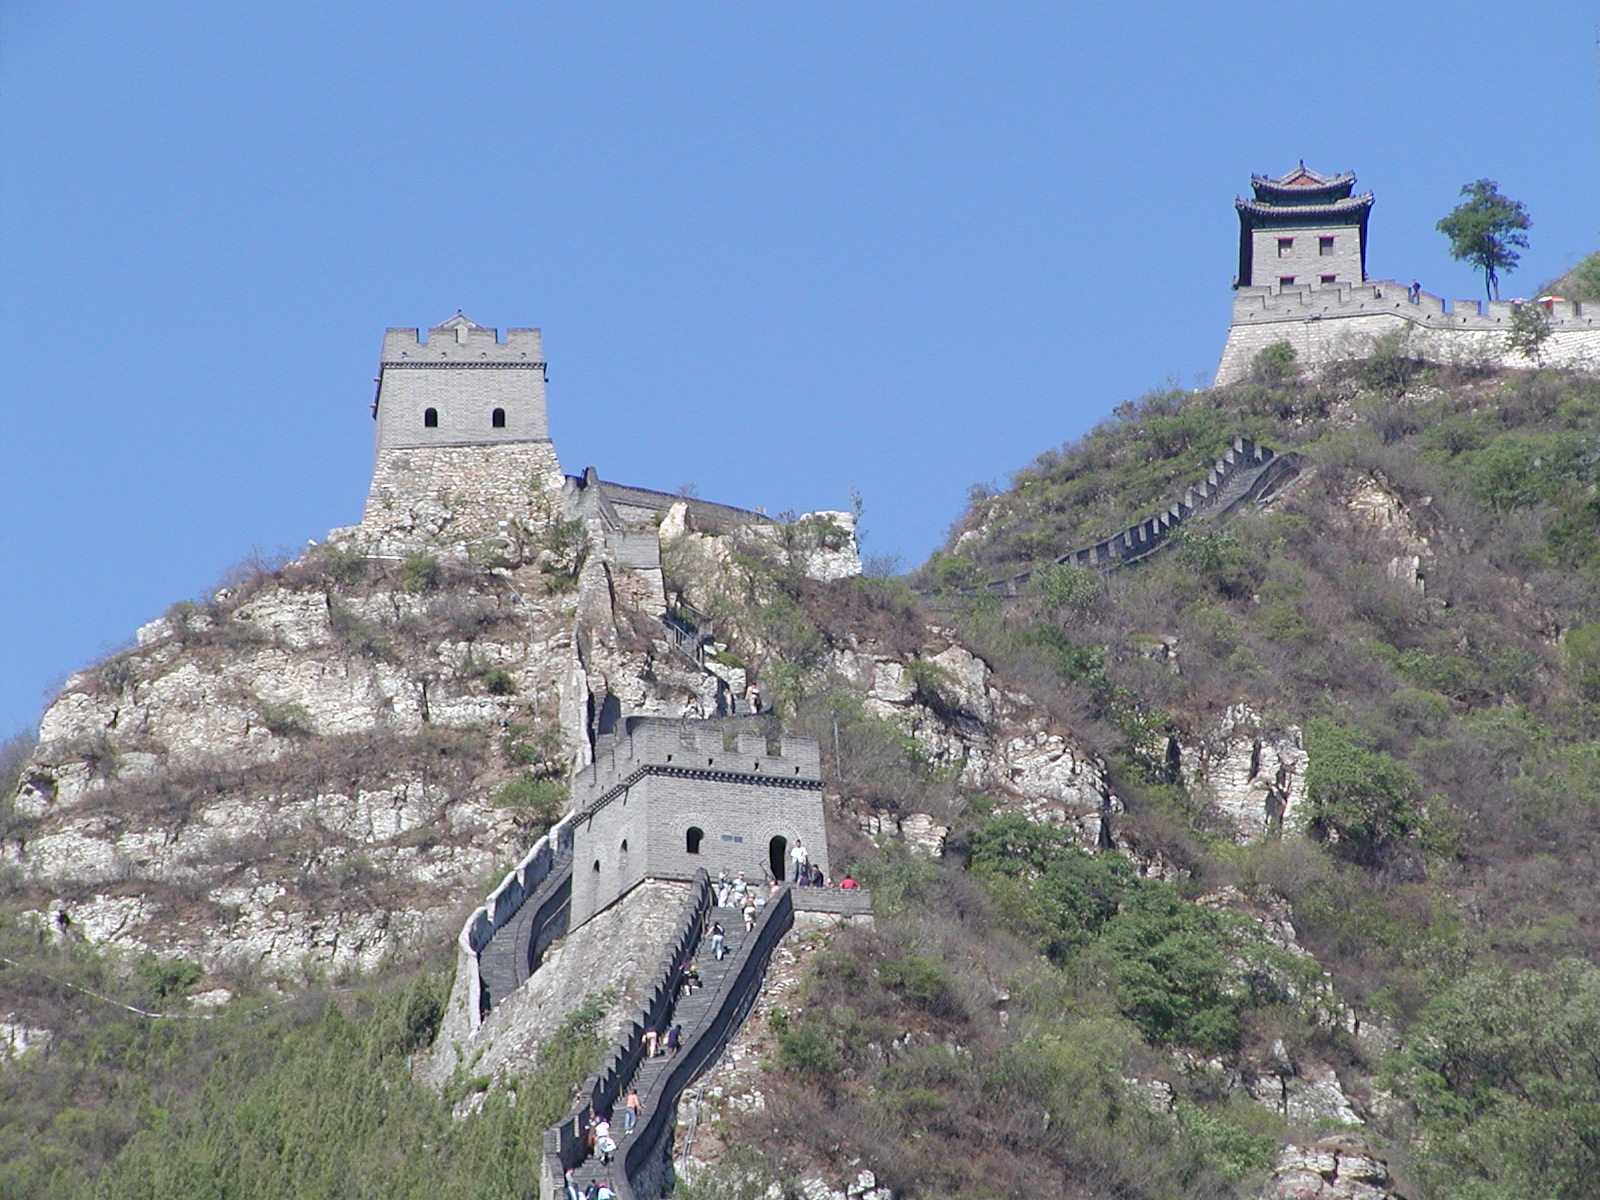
[778, 857]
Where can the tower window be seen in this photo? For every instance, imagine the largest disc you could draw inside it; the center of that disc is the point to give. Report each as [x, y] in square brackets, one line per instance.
[430, 418]
[1285, 280]
[498, 418]
[1325, 246]
[1330, 279]
[693, 838]
[1285, 247]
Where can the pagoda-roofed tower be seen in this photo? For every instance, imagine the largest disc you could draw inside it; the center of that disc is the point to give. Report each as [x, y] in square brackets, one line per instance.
[1303, 229]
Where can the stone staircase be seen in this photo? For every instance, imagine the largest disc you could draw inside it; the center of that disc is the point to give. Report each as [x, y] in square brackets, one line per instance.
[694, 1012]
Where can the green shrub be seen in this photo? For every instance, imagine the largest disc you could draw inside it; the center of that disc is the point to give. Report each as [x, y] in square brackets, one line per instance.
[1277, 364]
[1070, 589]
[498, 683]
[167, 977]
[806, 1048]
[419, 573]
[1583, 654]
[923, 982]
[1502, 1072]
[289, 719]
[535, 800]
[565, 549]
[1362, 800]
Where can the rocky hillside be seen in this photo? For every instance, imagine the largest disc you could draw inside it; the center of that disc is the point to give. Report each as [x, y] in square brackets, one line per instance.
[1206, 877]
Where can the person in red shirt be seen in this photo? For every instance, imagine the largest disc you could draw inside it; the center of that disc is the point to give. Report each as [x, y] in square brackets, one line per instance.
[848, 882]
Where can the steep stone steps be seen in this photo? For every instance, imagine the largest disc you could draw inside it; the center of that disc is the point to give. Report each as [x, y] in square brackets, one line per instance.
[688, 1012]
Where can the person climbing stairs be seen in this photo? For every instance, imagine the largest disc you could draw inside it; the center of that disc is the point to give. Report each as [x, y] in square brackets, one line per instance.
[686, 1015]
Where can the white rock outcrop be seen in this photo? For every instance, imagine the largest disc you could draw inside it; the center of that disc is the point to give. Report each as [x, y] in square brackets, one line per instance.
[1251, 775]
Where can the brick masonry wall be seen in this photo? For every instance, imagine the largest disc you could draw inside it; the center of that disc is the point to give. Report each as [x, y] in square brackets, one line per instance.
[1333, 324]
[463, 372]
[1305, 261]
[649, 787]
[464, 399]
[738, 819]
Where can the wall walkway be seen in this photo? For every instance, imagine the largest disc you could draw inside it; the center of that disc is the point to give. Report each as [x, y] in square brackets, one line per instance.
[1246, 473]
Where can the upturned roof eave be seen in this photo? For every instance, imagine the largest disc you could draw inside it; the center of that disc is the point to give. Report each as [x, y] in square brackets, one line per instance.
[1354, 206]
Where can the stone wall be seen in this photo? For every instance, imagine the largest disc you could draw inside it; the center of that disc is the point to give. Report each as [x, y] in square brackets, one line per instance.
[1305, 261]
[1246, 471]
[441, 496]
[464, 374]
[1332, 324]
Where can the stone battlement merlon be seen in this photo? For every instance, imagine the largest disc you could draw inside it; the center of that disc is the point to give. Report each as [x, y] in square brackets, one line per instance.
[1300, 302]
[462, 341]
[734, 747]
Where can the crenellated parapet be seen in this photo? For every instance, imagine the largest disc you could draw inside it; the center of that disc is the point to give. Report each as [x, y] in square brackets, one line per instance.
[664, 798]
[1294, 302]
[1331, 323]
[732, 747]
[460, 386]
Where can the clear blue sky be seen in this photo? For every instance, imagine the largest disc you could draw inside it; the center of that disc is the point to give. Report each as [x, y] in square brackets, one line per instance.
[777, 251]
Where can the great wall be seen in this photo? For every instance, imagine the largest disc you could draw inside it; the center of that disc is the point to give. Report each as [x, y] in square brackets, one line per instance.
[465, 466]
[1246, 473]
[665, 801]
[757, 789]
[1337, 322]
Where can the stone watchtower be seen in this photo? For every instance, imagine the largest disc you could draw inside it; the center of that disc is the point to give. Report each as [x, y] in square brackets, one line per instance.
[1304, 229]
[463, 440]
[664, 798]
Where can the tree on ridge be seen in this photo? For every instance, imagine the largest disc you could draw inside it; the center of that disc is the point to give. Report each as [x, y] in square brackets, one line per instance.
[1486, 229]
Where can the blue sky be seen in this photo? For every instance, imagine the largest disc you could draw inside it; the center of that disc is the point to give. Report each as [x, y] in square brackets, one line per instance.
[777, 252]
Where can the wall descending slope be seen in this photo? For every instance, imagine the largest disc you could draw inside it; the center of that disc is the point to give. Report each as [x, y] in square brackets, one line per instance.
[1247, 472]
[709, 1018]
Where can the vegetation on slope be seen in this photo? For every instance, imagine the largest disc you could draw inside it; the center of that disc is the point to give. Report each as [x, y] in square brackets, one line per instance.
[1028, 1017]
[1450, 851]
[310, 1096]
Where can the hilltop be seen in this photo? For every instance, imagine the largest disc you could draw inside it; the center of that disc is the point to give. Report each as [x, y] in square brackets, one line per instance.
[1203, 877]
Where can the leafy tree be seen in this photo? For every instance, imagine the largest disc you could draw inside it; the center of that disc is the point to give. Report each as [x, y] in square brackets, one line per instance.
[1361, 798]
[1486, 229]
[1503, 1072]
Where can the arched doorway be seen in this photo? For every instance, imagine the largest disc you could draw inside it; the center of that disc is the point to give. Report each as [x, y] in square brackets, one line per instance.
[692, 839]
[778, 857]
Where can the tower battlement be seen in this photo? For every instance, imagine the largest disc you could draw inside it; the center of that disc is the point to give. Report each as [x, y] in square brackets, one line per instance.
[461, 386]
[464, 446]
[733, 747]
[462, 341]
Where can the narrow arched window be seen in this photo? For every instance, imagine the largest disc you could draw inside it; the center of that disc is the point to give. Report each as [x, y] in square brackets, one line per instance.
[498, 418]
[693, 838]
[430, 418]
